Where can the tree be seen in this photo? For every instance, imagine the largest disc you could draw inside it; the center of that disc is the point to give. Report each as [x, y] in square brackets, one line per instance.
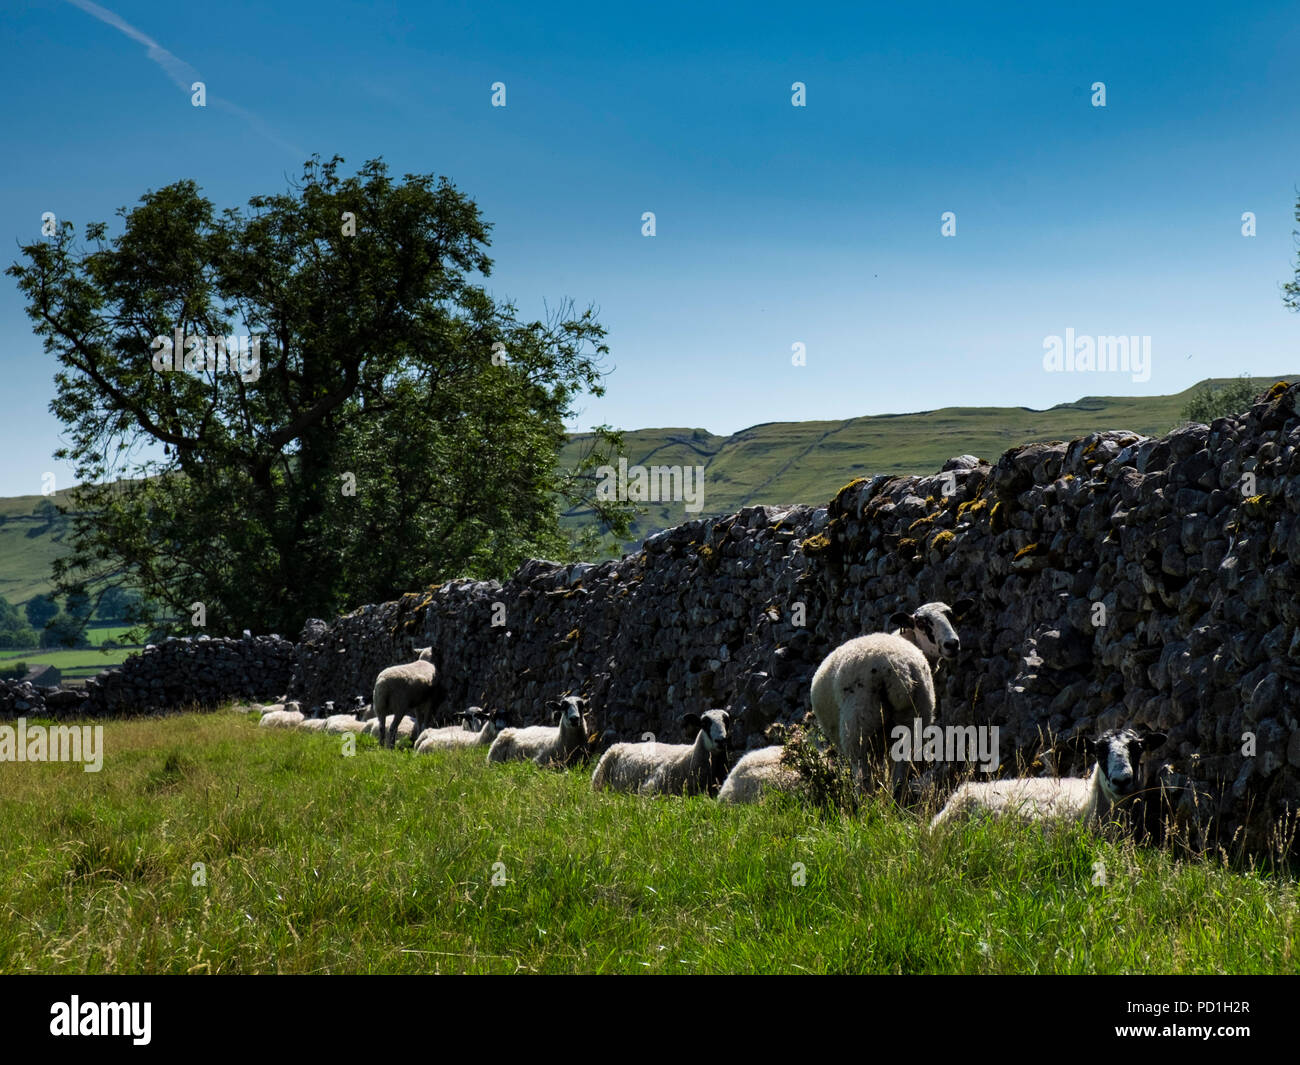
[65, 631]
[14, 630]
[39, 609]
[78, 605]
[392, 425]
[116, 603]
[1291, 290]
[1209, 402]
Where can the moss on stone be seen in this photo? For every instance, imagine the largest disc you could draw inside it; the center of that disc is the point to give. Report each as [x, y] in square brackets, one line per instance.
[816, 544]
[998, 517]
[1029, 549]
[942, 538]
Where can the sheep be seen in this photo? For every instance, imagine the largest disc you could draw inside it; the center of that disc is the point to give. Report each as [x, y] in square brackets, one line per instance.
[546, 745]
[758, 771]
[930, 627]
[375, 727]
[1089, 799]
[669, 769]
[315, 722]
[341, 723]
[411, 688]
[872, 683]
[438, 739]
[286, 715]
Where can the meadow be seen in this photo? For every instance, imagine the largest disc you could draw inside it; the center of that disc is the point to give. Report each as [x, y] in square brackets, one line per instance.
[207, 845]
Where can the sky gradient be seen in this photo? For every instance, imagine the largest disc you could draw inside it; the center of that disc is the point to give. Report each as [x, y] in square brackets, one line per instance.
[776, 225]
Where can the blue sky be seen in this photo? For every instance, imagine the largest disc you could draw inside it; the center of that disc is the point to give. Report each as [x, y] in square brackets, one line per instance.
[776, 225]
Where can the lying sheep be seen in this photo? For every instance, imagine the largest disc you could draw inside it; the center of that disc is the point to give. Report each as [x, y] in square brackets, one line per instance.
[757, 772]
[669, 769]
[871, 684]
[546, 745]
[1089, 799]
[341, 723]
[375, 727]
[408, 689]
[441, 739]
[315, 722]
[282, 715]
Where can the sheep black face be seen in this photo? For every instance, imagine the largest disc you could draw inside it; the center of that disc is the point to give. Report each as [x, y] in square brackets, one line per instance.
[931, 628]
[712, 725]
[1118, 752]
[568, 711]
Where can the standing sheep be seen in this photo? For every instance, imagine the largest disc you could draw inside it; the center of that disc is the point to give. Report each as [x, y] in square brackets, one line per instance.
[409, 689]
[669, 769]
[757, 772]
[869, 685]
[546, 745]
[1089, 799]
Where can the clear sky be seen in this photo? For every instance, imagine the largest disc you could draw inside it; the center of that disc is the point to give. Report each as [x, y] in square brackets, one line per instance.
[775, 225]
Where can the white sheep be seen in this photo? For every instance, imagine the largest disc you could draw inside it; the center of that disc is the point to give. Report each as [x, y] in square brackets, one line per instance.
[282, 715]
[546, 744]
[341, 723]
[669, 768]
[757, 772]
[467, 735]
[1089, 799]
[412, 689]
[869, 685]
[375, 727]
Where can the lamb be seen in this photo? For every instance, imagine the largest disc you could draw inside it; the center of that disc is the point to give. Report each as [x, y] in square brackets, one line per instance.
[286, 715]
[1089, 799]
[757, 772]
[441, 739]
[669, 769]
[869, 685]
[408, 689]
[546, 745]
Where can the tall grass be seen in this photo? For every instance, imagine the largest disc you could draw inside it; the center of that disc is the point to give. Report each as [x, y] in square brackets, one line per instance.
[386, 862]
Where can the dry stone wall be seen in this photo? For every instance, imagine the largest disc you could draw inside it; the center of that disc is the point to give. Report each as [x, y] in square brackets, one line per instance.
[178, 673]
[1118, 579]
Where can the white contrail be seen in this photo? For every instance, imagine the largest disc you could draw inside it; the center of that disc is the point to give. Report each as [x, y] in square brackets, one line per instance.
[180, 71]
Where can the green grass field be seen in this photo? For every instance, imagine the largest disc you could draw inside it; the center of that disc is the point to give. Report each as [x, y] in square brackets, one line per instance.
[385, 862]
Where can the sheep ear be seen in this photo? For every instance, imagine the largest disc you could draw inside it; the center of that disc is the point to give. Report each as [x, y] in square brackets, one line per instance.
[961, 606]
[690, 721]
[1151, 740]
[899, 620]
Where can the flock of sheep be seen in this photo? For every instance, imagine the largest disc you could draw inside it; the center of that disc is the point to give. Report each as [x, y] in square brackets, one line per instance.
[861, 691]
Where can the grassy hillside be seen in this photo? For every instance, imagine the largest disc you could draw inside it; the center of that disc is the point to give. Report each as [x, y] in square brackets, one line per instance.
[776, 462]
[29, 544]
[808, 462]
[385, 861]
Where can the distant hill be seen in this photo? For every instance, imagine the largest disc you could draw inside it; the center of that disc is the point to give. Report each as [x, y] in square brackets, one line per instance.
[808, 462]
[776, 462]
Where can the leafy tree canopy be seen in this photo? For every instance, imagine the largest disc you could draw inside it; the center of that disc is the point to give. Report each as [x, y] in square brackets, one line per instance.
[390, 424]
